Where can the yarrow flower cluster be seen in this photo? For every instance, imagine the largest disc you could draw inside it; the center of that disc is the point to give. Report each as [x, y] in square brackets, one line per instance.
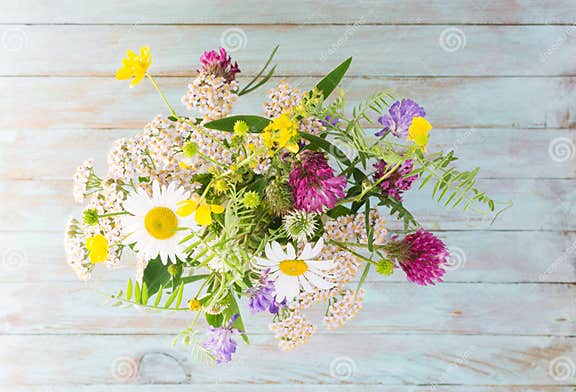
[208, 208]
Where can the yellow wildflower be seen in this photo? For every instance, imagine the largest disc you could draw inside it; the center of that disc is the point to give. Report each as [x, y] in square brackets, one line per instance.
[241, 128]
[203, 210]
[135, 65]
[418, 132]
[220, 186]
[194, 305]
[281, 133]
[98, 248]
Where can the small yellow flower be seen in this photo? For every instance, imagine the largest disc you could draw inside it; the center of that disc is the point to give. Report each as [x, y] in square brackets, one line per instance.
[241, 128]
[220, 186]
[194, 305]
[135, 66]
[281, 133]
[202, 210]
[418, 132]
[98, 248]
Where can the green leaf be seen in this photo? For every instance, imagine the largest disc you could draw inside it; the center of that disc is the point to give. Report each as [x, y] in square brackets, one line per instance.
[215, 320]
[129, 290]
[155, 275]
[190, 279]
[339, 211]
[330, 81]
[328, 147]
[233, 309]
[144, 293]
[137, 293]
[171, 298]
[255, 123]
[248, 88]
[179, 296]
[158, 296]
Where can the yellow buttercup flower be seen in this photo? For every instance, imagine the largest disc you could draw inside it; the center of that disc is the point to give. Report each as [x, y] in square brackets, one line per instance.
[98, 248]
[194, 305]
[202, 210]
[418, 132]
[281, 133]
[135, 65]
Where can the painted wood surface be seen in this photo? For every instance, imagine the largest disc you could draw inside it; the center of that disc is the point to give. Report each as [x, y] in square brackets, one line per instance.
[546, 50]
[498, 81]
[293, 12]
[547, 102]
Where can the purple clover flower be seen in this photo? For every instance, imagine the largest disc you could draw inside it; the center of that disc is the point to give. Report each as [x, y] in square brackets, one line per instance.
[220, 343]
[396, 183]
[313, 183]
[399, 117]
[421, 256]
[219, 63]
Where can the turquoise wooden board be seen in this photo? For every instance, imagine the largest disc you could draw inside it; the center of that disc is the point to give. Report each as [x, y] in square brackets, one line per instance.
[497, 80]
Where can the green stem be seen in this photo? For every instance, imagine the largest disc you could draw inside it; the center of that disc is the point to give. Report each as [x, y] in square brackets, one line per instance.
[114, 214]
[157, 87]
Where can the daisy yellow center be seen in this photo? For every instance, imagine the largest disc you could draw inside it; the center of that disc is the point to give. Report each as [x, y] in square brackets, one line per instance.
[293, 267]
[161, 223]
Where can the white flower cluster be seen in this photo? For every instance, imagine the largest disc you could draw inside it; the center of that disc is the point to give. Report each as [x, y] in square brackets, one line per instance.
[281, 99]
[210, 95]
[293, 331]
[76, 253]
[344, 309]
[81, 180]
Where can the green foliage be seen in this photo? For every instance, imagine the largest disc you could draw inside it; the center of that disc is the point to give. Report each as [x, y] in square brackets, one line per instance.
[254, 83]
[255, 123]
[330, 81]
[140, 295]
[450, 186]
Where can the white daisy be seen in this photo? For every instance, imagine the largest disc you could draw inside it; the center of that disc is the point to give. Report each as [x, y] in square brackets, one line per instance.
[292, 274]
[154, 227]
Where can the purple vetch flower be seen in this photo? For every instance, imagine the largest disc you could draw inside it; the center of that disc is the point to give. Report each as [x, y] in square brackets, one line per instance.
[399, 117]
[329, 120]
[276, 306]
[395, 184]
[220, 343]
[219, 63]
[261, 296]
[421, 255]
[313, 183]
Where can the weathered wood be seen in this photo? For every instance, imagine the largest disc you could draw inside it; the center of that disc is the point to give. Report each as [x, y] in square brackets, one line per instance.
[382, 359]
[406, 50]
[300, 12]
[397, 308]
[538, 205]
[289, 388]
[451, 102]
[478, 256]
[501, 153]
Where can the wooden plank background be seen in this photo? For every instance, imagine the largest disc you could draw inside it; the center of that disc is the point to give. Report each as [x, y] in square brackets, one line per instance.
[498, 80]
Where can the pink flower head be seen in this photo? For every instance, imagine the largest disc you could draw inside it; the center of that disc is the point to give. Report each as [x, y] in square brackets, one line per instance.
[421, 256]
[219, 63]
[395, 184]
[313, 184]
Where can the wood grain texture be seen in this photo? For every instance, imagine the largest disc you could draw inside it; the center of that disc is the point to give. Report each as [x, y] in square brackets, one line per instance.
[294, 12]
[546, 50]
[380, 359]
[288, 388]
[463, 309]
[451, 102]
[501, 153]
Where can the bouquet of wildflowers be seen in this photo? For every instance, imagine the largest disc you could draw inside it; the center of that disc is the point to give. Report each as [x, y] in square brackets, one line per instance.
[280, 213]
